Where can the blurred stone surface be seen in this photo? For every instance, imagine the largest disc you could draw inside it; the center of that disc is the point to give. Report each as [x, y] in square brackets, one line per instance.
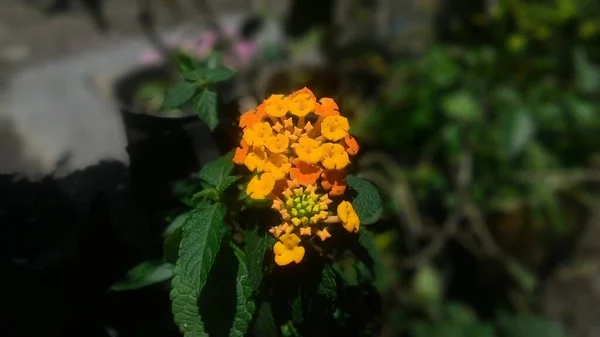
[56, 115]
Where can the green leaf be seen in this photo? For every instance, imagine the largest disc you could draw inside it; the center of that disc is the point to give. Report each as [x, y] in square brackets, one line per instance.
[328, 287]
[214, 59]
[209, 75]
[244, 305]
[206, 108]
[184, 304]
[256, 246]
[374, 260]
[264, 324]
[207, 194]
[588, 74]
[583, 112]
[367, 202]
[216, 172]
[297, 309]
[171, 246]
[151, 95]
[144, 274]
[202, 235]
[526, 280]
[452, 329]
[225, 303]
[347, 272]
[461, 106]
[480, 330]
[175, 224]
[440, 67]
[460, 313]
[427, 286]
[186, 62]
[525, 325]
[289, 330]
[227, 181]
[179, 94]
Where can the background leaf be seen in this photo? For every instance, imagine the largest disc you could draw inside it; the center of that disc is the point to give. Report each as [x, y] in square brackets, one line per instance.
[297, 309]
[367, 202]
[588, 75]
[328, 286]
[373, 259]
[171, 246]
[518, 130]
[528, 325]
[461, 106]
[217, 171]
[206, 108]
[264, 324]
[179, 94]
[186, 63]
[175, 224]
[210, 75]
[144, 274]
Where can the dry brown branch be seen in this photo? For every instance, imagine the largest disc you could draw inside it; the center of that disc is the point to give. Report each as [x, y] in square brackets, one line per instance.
[400, 191]
[558, 178]
[436, 245]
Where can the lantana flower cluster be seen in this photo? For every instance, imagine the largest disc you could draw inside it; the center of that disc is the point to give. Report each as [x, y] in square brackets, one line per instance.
[298, 148]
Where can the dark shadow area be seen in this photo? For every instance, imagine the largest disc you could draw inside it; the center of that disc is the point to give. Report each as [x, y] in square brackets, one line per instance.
[64, 242]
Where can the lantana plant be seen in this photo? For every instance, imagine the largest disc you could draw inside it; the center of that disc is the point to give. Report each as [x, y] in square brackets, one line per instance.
[297, 150]
[272, 228]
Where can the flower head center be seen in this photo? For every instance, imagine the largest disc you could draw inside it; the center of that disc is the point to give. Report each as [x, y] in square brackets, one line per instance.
[304, 206]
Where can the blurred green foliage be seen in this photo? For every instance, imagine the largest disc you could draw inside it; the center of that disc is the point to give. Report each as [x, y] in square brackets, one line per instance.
[511, 119]
[490, 142]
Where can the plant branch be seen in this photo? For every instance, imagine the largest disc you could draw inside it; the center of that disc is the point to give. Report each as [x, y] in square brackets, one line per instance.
[436, 245]
[400, 190]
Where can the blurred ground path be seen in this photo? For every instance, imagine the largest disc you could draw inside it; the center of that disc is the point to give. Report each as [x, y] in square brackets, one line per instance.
[51, 109]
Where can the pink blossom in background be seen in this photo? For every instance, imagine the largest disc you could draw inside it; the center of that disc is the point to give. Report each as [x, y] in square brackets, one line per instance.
[150, 56]
[245, 49]
[204, 44]
[229, 30]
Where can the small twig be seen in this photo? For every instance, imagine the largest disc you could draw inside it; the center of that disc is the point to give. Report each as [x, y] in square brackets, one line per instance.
[407, 211]
[558, 178]
[477, 223]
[430, 149]
[464, 173]
[586, 270]
[519, 302]
[437, 243]
[401, 190]
[469, 244]
[146, 21]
